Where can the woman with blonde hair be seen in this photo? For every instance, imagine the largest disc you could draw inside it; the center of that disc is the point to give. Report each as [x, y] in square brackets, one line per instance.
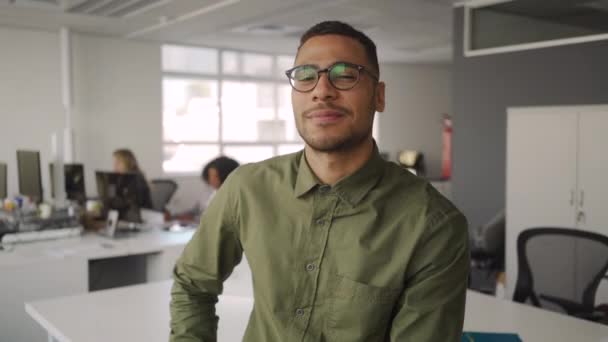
[125, 162]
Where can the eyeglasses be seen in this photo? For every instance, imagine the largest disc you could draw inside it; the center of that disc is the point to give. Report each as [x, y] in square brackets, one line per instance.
[341, 75]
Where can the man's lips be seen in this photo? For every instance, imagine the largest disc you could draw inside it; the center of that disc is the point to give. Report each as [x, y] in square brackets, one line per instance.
[325, 115]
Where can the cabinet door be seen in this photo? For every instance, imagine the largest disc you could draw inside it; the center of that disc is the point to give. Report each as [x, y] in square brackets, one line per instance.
[593, 171]
[541, 176]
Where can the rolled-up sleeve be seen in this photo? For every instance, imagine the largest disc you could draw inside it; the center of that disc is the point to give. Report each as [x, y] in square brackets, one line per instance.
[206, 262]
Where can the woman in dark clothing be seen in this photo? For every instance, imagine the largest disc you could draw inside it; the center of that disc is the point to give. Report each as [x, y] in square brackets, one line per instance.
[217, 170]
[125, 162]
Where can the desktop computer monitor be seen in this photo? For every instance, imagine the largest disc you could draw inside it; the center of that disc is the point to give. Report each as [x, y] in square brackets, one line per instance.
[74, 182]
[3, 176]
[28, 168]
[118, 191]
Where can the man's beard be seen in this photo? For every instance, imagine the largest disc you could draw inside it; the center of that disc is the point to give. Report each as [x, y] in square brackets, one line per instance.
[350, 139]
[336, 143]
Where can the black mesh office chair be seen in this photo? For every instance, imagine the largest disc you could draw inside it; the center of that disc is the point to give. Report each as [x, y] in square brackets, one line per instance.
[161, 192]
[560, 269]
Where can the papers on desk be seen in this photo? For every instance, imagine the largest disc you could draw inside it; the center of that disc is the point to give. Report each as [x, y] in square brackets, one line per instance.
[468, 336]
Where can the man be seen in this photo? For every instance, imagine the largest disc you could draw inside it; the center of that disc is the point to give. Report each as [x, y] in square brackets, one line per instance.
[343, 246]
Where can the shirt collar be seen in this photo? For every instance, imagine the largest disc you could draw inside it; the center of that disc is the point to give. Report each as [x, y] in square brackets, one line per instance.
[305, 179]
[351, 189]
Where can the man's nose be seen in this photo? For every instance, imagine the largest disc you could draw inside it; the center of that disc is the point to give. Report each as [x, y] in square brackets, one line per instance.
[324, 91]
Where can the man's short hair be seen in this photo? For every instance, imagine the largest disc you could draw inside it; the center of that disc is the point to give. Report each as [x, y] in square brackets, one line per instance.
[343, 29]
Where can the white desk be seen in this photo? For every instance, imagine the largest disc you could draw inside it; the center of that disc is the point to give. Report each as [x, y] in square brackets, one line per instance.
[488, 314]
[138, 313]
[48, 269]
[141, 313]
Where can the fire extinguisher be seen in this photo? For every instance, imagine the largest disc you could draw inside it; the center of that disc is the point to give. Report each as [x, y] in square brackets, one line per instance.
[446, 158]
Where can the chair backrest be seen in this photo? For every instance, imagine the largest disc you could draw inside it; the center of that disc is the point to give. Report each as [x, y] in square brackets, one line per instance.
[560, 262]
[490, 237]
[161, 192]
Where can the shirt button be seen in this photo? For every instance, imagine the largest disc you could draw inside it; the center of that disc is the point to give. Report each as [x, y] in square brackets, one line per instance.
[310, 267]
[299, 312]
[324, 189]
[320, 222]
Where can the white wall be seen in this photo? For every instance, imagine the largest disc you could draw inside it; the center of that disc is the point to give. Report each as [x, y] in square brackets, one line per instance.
[416, 98]
[118, 101]
[30, 98]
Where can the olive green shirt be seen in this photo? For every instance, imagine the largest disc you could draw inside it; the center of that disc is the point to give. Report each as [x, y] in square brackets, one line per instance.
[379, 256]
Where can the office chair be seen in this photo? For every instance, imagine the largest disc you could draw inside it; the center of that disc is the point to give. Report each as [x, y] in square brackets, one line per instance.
[161, 192]
[560, 269]
[489, 242]
[488, 254]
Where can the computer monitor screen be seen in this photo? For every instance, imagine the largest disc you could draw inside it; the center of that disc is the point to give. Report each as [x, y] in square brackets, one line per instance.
[3, 176]
[118, 191]
[30, 182]
[73, 180]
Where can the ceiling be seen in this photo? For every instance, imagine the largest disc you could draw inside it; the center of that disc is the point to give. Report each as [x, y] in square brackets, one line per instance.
[408, 31]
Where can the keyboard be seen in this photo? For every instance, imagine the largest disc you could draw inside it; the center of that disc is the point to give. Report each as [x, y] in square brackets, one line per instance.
[39, 235]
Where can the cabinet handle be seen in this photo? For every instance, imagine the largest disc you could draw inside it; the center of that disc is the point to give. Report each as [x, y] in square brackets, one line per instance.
[581, 201]
[572, 197]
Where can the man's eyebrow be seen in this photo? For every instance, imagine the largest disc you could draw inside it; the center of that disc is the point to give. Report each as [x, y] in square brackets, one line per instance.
[306, 64]
[328, 65]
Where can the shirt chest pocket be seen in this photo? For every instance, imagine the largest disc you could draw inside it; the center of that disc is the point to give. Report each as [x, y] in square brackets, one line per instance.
[359, 312]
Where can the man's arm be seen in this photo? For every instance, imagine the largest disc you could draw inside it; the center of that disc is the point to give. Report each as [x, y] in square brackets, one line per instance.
[431, 308]
[207, 260]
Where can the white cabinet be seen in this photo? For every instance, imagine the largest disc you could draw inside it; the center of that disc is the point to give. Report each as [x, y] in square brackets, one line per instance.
[557, 164]
[593, 171]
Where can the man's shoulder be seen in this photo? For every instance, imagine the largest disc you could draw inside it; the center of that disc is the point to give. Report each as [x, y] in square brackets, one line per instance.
[420, 193]
[272, 169]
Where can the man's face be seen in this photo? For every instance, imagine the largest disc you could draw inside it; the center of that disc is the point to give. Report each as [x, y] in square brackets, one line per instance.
[329, 119]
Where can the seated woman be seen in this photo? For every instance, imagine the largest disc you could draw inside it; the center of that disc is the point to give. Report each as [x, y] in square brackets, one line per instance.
[214, 174]
[125, 162]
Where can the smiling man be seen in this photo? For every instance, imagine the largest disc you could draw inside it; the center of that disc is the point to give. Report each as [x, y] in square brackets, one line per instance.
[343, 246]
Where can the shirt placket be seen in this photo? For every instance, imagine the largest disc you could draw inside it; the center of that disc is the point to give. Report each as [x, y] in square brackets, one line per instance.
[324, 205]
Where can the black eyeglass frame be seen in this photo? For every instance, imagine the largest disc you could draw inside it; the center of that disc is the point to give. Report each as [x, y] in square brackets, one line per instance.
[360, 68]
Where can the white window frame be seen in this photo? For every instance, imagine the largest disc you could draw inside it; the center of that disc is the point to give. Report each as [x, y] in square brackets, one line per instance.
[220, 77]
[471, 5]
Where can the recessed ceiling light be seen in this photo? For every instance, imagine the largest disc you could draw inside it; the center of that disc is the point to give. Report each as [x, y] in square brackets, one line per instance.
[268, 29]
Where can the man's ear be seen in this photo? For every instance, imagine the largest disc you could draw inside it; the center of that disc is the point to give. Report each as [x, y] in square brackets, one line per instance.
[380, 87]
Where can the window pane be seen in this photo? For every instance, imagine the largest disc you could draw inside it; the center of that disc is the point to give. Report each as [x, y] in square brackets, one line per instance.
[190, 110]
[188, 158]
[286, 113]
[247, 107]
[187, 59]
[248, 154]
[524, 21]
[230, 62]
[257, 65]
[290, 148]
[284, 63]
